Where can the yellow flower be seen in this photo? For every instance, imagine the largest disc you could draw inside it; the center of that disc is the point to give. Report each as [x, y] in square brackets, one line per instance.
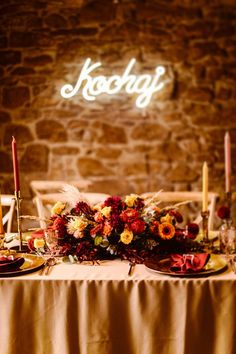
[76, 224]
[39, 243]
[166, 231]
[126, 236]
[167, 218]
[130, 200]
[58, 208]
[106, 211]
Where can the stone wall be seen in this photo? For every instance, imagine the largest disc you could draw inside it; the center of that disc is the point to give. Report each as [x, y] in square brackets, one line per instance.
[120, 148]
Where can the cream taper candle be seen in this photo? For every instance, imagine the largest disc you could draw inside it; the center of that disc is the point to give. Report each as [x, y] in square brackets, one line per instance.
[2, 232]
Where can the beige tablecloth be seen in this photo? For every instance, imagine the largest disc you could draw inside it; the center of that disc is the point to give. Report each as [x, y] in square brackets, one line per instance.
[83, 309]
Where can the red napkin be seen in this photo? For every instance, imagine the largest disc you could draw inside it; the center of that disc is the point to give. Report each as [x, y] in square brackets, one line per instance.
[8, 263]
[188, 262]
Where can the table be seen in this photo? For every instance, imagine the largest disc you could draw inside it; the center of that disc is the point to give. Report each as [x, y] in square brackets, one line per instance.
[86, 309]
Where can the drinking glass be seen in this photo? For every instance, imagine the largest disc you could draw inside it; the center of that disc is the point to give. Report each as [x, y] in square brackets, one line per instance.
[52, 242]
[227, 238]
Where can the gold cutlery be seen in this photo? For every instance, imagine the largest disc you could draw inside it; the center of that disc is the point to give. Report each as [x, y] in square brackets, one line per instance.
[131, 267]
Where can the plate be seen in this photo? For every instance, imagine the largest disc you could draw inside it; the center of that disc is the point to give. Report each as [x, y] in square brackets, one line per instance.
[216, 264]
[31, 263]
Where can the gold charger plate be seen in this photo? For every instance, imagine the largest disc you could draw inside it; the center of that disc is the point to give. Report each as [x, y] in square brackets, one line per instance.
[31, 264]
[216, 264]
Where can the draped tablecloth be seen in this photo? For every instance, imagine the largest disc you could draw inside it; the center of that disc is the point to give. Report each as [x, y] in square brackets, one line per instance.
[99, 309]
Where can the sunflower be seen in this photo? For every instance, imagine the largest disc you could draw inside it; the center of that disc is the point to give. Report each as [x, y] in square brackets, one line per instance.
[166, 231]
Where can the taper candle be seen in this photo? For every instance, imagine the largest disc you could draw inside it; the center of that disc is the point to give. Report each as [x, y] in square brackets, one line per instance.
[227, 163]
[204, 187]
[2, 232]
[15, 165]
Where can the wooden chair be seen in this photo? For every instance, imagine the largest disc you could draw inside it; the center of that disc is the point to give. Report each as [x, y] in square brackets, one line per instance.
[47, 193]
[194, 198]
[8, 203]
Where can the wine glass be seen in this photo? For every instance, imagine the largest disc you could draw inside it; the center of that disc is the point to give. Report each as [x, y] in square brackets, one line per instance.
[52, 242]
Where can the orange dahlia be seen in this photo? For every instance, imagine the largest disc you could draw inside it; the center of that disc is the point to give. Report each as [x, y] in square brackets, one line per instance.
[166, 231]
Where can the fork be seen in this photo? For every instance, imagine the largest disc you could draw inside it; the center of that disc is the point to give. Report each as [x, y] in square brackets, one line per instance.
[131, 266]
[47, 266]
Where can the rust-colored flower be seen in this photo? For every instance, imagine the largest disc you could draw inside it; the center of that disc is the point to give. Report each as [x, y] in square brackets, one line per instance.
[166, 231]
[129, 215]
[107, 228]
[155, 228]
[137, 226]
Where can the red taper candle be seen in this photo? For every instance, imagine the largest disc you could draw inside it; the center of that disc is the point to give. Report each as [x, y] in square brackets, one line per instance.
[15, 165]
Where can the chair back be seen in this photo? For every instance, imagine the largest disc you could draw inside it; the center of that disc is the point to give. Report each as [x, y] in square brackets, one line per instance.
[194, 198]
[8, 203]
[47, 193]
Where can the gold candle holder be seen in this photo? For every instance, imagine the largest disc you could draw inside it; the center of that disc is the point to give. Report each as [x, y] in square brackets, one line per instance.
[205, 217]
[2, 240]
[228, 199]
[18, 215]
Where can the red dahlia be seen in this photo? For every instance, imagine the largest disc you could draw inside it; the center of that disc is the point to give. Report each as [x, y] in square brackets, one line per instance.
[223, 212]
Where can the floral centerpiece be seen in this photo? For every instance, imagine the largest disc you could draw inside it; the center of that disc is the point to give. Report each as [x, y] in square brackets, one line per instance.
[129, 228]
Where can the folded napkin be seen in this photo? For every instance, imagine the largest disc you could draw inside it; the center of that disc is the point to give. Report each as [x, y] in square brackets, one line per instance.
[8, 263]
[188, 262]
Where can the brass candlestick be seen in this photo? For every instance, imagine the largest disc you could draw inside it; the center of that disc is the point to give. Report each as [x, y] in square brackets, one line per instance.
[205, 217]
[2, 240]
[18, 215]
[228, 199]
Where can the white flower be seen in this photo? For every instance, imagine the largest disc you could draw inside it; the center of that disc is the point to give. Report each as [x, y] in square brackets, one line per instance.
[76, 224]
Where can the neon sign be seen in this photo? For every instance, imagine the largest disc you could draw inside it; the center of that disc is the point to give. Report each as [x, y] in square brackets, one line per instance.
[92, 86]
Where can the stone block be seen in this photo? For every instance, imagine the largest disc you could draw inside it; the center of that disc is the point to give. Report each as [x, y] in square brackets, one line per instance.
[55, 21]
[21, 132]
[5, 117]
[35, 159]
[10, 57]
[149, 132]
[90, 167]
[14, 97]
[111, 134]
[6, 162]
[51, 130]
[38, 60]
[22, 39]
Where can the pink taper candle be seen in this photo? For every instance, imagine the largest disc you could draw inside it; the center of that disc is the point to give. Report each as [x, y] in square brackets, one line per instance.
[204, 187]
[15, 165]
[1, 222]
[227, 163]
